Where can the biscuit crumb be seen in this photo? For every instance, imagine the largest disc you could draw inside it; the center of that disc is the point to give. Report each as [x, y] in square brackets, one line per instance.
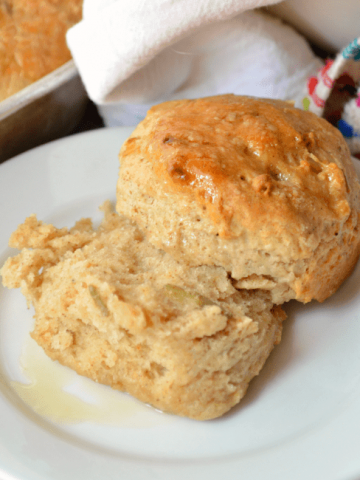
[130, 316]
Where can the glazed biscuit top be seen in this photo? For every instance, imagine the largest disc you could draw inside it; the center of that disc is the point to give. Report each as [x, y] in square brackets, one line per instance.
[249, 163]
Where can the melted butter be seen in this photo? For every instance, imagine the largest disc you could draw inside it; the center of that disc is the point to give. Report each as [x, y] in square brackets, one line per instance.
[60, 395]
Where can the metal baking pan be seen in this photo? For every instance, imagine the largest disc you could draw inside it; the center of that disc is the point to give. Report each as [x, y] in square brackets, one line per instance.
[48, 109]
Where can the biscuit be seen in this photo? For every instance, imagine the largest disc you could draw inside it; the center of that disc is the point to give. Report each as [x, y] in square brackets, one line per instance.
[32, 40]
[256, 186]
[114, 308]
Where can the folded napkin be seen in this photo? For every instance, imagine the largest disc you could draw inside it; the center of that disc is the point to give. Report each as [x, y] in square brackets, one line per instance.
[132, 54]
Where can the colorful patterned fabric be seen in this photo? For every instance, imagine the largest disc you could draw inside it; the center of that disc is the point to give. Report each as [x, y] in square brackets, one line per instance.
[335, 94]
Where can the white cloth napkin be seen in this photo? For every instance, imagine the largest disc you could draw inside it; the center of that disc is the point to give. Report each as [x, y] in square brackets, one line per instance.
[134, 53]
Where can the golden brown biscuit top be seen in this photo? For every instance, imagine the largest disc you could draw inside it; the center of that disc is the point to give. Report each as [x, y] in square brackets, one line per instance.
[32, 39]
[250, 162]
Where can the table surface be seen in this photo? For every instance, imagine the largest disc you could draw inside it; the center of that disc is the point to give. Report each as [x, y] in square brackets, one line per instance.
[91, 120]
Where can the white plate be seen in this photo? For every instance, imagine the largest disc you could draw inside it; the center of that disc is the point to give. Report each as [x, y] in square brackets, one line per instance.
[299, 420]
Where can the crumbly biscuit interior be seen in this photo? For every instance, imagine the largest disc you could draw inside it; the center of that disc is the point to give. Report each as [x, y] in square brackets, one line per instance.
[116, 309]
